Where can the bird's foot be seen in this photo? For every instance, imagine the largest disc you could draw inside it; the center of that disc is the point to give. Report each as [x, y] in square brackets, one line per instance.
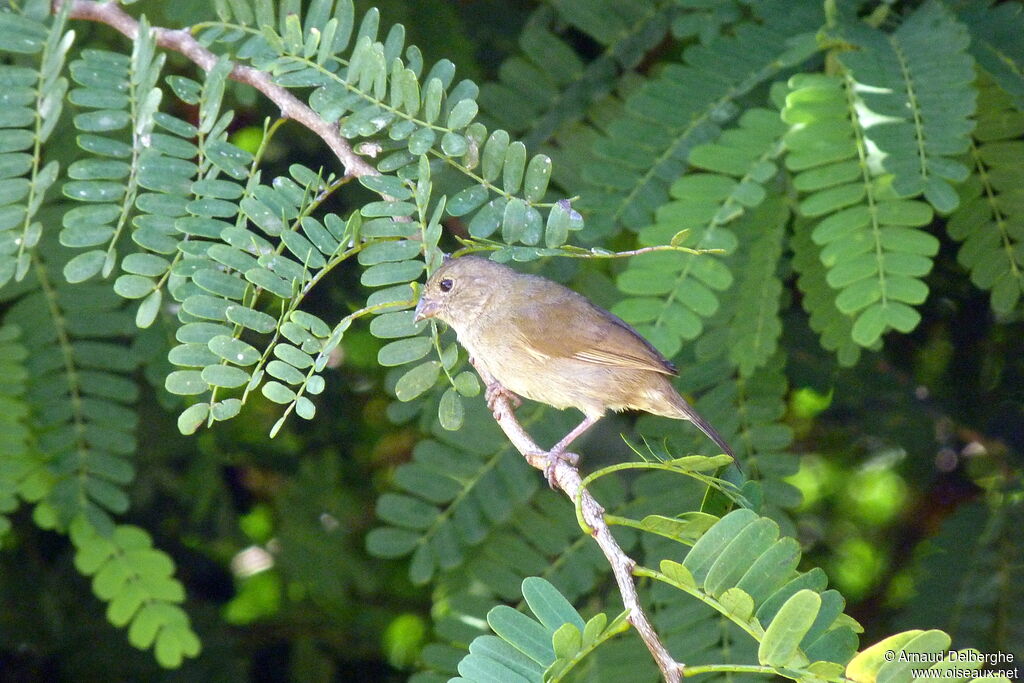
[554, 457]
[496, 391]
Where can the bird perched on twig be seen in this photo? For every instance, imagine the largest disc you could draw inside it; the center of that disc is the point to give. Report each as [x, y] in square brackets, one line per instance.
[547, 343]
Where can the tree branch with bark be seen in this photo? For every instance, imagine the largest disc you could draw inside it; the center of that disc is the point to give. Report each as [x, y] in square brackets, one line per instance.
[563, 474]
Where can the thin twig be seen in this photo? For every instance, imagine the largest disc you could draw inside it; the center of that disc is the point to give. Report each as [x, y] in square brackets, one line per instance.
[181, 40]
[568, 479]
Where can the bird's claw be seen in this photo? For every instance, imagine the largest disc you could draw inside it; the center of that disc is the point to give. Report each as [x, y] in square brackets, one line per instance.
[496, 391]
[553, 459]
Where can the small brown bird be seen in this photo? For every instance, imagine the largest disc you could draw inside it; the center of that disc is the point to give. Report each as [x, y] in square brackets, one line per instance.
[547, 343]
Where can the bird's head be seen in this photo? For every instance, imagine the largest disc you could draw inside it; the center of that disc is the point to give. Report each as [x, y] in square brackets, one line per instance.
[462, 288]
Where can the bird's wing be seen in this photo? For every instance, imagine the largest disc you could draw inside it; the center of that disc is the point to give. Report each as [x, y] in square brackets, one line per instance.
[567, 325]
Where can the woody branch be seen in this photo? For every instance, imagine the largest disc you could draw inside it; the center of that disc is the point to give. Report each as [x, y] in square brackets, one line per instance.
[182, 41]
[568, 479]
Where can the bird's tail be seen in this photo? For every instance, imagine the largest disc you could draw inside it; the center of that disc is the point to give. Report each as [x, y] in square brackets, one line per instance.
[686, 412]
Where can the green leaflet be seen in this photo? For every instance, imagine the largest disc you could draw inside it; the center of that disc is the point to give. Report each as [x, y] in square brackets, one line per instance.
[683, 107]
[988, 222]
[738, 165]
[479, 489]
[34, 102]
[914, 74]
[874, 253]
[819, 300]
[136, 579]
[14, 423]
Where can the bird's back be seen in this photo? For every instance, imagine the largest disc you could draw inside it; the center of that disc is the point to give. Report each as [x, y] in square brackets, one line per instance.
[551, 344]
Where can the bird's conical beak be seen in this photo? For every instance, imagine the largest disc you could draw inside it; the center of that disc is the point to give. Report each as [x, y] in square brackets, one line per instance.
[426, 308]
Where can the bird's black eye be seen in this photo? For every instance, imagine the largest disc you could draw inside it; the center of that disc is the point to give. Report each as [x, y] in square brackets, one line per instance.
[445, 285]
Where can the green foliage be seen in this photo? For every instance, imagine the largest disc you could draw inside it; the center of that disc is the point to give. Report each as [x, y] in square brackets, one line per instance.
[994, 30]
[34, 98]
[989, 221]
[380, 94]
[663, 120]
[897, 655]
[136, 580]
[546, 648]
[673, 292]
[741, 569]
[975, 609]
[737, 371]
[819, 299]
[453, 495]
[548, 87]
[82, 421]
[14, 432]
[869, 236]
[119, 93]
[909, 79]
[770, 169]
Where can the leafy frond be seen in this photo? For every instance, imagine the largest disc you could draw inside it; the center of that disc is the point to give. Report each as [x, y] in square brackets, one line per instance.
[546, 647]
[222, 262]
[453, 495]
[82, 420]
[82, 428]
[743, 570]
[136, 579]
[995, 30]
[990, 223]
[538, 539]
[684, 106]
[739, 569]
[673, 292]
[926, 652]
[120, 93]
[915, 100]
[754, 334]
[780, 619]
[976, 543]
[548, 86]
[238, 256]
[736, 369]
[871, 244]
[380, 94]
[217, 269]
[17, 460]
[33, 102]
[819, 299]
[704, 19]
[748, 412]
[700, 635]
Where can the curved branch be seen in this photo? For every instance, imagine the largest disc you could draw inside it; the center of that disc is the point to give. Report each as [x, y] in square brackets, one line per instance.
[568, 479]
[181, 40]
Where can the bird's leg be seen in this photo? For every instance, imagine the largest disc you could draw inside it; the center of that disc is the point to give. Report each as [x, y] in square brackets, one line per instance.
[558, 451]
[575, 433]
[496, 391]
